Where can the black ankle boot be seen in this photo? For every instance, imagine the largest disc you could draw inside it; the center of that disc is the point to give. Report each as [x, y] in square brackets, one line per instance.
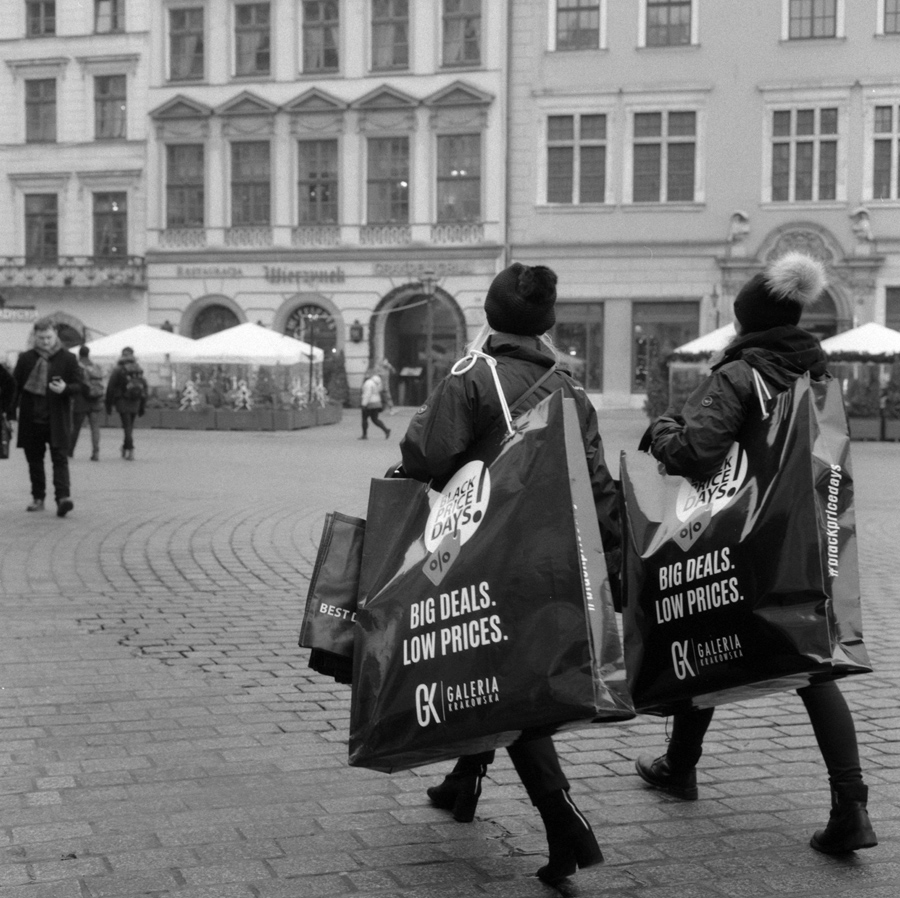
[659, 774]
[849, 827]
[570, 838]
[460, 791]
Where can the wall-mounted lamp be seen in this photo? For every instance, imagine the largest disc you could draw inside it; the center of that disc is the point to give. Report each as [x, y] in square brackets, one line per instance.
[356, 332]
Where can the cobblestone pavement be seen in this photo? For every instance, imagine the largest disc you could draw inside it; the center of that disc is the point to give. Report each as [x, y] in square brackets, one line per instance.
[161, 735]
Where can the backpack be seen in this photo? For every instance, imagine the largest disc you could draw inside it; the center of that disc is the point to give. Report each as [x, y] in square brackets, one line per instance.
[134, 384]
[93, 377]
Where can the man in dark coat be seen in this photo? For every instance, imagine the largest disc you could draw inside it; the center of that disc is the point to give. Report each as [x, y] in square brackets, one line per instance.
[47, 377]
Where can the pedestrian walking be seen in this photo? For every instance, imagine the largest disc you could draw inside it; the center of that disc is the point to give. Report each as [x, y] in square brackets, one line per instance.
[47, 376]
[462, 410]
[371, 403]
[7, 408]
[126, 392]
[88, 404]
[693, 443]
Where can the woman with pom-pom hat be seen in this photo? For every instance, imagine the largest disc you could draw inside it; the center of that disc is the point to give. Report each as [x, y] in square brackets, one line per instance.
[462, 410]
[767, 313]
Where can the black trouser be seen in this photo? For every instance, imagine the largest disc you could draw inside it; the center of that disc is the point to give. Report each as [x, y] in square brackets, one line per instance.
[128, 419]
[372, 413]
[35, 447]
[93, 418]
[536, 763]
[828, 713]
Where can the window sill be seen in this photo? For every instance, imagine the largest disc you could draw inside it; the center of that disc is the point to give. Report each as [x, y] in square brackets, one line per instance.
[458, 66]
[833, 39]
[679, 48]
[253, 76]
[811, 205]
[663, 207]
[189, 81]
[575, 208]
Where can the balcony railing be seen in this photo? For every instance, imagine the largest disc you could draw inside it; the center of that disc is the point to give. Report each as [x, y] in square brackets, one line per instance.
[73, 271]
[183, 238]
[385, 235]
[316, 235]
[457, 232]
[249, 236]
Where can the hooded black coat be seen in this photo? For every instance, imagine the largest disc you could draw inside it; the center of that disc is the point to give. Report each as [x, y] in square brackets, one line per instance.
[465, 408]
[695, 442]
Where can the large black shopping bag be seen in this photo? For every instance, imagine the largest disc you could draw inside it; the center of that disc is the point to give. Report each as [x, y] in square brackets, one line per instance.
[746, 582]
[485, 609]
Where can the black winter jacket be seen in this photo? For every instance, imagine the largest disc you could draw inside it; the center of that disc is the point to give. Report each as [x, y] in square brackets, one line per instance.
[695, 442]
[465, 408]
[62, 364]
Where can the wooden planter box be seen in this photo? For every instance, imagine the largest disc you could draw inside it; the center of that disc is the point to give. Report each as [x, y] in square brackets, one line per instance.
[865, 428]
[292, 418]
[329, 414]
[244, 419]
[175, 419]
[892, 428]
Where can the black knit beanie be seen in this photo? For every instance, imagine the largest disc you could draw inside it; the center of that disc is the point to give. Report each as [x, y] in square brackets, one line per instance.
[520, 300]
[778, 295]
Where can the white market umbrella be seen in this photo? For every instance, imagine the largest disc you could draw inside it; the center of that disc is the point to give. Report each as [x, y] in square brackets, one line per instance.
[150, 345]
[248, 344]
[869, 342]
[705, 346]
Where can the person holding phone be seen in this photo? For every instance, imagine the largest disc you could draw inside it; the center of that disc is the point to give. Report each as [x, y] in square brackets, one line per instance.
[47, 376]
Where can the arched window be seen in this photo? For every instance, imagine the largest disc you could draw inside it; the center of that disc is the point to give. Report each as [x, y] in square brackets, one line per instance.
[211, 320]
[315, 325]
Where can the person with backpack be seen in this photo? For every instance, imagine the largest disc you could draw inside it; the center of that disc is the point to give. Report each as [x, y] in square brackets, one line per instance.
[127, 393]
[88, 404]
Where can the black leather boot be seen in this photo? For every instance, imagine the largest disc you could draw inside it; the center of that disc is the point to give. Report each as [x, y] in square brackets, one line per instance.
[849, 827]
[570, 839]
[659, 774]
[460, 790]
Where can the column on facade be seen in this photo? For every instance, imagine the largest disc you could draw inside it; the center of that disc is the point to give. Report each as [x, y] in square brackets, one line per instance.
[283, 191]
[423, 177]
[218, 185]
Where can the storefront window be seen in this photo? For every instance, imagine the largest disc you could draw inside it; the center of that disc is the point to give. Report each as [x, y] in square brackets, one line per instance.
[579, 338]
[657, 329]
[211, 320]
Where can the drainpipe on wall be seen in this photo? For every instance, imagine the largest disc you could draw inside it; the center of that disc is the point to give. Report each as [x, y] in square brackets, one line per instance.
[507, 153]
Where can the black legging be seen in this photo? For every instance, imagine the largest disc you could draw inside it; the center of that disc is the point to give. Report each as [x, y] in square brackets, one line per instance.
[372, 413]
[536, 763]
[828, 713]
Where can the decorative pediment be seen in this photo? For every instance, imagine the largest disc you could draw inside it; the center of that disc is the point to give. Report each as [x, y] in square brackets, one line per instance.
[386, 109]
[459, 94]
[385, 97]
[316, 111]
[182, 118]
[315, 101]
[180, 108]
[246, 103]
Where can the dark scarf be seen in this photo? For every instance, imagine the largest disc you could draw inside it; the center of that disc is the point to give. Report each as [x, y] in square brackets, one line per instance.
[796, 348]
[40, 373]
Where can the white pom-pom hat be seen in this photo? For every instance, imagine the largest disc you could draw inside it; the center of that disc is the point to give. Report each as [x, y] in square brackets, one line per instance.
[778, 295]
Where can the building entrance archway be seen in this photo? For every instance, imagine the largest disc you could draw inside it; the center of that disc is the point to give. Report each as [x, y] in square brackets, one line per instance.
[420, 336]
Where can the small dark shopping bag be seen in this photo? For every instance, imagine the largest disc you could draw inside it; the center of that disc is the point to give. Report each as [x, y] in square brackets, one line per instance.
[330, 616]
[746, 582]
[485, 609]
[5, 436]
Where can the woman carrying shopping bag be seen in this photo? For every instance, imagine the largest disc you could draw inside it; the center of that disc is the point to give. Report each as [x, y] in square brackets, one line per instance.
[694, 444]
[464, 410]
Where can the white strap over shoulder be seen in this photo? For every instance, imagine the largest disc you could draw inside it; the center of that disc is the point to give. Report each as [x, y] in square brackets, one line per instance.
[762, 392]
[467, 363]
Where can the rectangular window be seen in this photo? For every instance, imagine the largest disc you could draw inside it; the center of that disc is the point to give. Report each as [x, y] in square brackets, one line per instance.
[185, 195]
[886, 153]
[41, 228]
[252, 39]
[387, 182]
[892, 308]
[251, 183]
[811, 19]
[186, 44]
[390, 34]
[321, 30]
[804, 155]
[40, 110]
[40, 18]
[110, 225]
[459, 177]
[658, 328]
[668, 23]
[892, 16]
[109, 107]
[576, 159]
[462, 32]
[578, 335]
[577, 24]
[318, 182]
[665, 148]
[109, 16]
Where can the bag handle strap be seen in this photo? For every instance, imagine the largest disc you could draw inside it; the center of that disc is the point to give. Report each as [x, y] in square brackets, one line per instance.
[762, 392]
[467, 363]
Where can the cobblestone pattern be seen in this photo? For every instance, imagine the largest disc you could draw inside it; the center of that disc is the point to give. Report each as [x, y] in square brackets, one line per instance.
[160, 733]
